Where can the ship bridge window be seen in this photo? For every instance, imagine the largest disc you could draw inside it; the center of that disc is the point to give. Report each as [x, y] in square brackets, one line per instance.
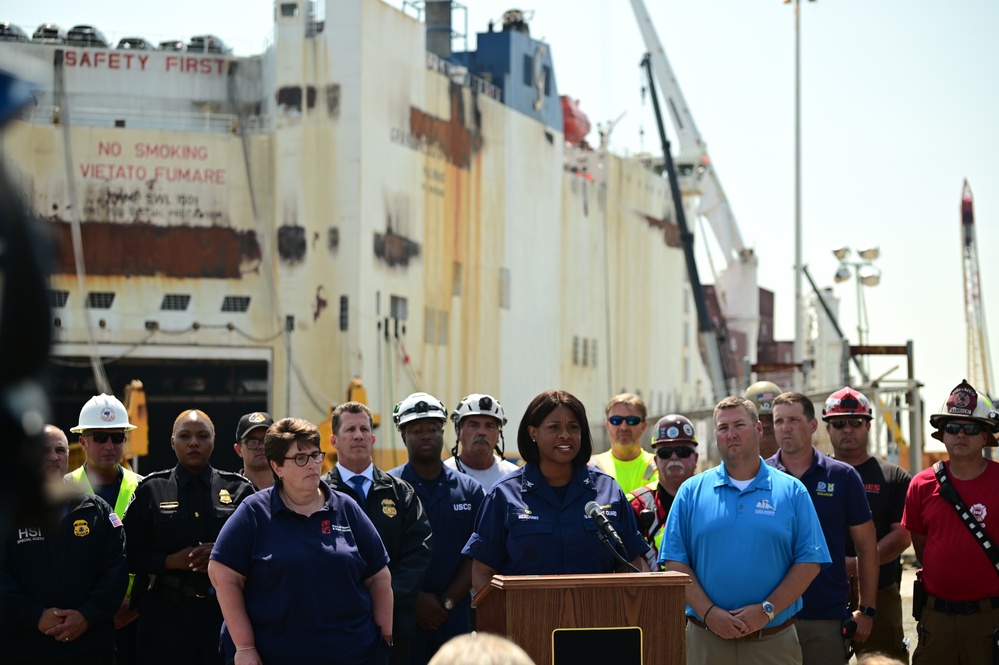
[528, 70]
[58, 298]
[100, 299]
[175, 302]
[235, 303]
[548, 81]
[289, 9]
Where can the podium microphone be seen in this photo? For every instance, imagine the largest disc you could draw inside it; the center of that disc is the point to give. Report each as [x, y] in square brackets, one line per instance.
[604, 526]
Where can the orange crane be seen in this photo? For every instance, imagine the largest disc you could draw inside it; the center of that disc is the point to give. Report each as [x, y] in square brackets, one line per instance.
[979, 361]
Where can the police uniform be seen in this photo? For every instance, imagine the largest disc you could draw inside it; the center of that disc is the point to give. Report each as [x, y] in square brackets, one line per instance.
[397, 513]
[173, 509]
[78, 564]
[451, 502]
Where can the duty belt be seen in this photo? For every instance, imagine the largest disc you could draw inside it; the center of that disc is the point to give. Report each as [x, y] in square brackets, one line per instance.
[959, 607]
[755, 635]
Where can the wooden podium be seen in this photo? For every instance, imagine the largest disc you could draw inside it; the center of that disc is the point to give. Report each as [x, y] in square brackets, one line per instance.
[638, 617]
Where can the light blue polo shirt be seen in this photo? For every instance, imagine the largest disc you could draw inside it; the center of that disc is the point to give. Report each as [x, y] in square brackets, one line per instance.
[740, 544]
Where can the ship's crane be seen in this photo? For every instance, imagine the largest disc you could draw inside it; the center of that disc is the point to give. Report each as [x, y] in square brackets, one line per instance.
[979, 361]
[737, 293]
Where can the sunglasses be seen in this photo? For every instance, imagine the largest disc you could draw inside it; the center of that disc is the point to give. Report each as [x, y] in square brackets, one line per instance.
[840, 423]
[970, 429]
[633, 421]
[302, 459]
[103, 437]
[665, 452]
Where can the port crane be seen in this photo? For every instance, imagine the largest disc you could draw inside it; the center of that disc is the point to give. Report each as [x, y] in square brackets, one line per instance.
[737, 290]
[979, 360]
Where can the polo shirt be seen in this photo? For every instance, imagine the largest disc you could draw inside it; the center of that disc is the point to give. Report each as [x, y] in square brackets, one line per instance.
[840, 501]
[524, 528]
[305, 592]
[741, 543]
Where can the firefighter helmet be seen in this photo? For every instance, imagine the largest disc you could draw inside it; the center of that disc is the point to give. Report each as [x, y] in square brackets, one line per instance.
[416, 406]
[673, 429]
[966, 403]
[847, 402]
[762, 394]
[103, 412]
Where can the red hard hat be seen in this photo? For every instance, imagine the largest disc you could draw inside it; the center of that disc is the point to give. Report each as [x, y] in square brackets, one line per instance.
[847, 402]
[673, 429]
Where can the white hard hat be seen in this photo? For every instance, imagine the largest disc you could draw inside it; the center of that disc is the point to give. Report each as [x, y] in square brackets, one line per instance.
[416, 406]
[479, 405]
[103, 412]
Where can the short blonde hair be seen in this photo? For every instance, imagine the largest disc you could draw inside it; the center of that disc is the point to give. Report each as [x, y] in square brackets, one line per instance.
[628, 399]
[480, 649]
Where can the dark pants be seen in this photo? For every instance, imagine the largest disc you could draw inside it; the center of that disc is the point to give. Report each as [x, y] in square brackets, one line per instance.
[126, 640]
[427, 642]
[91, 658]
[184, 632]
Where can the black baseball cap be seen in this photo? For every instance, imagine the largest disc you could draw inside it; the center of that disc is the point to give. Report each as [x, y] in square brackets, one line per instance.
[251, 421]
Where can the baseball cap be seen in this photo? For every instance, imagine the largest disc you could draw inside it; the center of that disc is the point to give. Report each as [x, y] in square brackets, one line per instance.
[252, 420]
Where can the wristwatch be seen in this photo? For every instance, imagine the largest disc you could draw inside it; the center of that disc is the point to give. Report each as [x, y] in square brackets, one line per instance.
[447, 602]
[867, 611]
[769, 610]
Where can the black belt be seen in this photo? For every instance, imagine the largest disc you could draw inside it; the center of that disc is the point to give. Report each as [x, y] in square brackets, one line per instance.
[959, 607]
[766, 632]
[173, 589]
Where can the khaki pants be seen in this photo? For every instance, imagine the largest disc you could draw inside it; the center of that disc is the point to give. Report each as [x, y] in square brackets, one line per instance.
[706, 648]
[887, 633]
[955, 640]
[822, 642]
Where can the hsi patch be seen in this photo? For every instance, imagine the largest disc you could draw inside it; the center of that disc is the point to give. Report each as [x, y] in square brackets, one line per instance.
[81, 528]
[388, 508]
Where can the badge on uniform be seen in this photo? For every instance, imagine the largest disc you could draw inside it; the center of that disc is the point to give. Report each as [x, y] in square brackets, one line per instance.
[224, 497]
[388, 507]
[81, 528]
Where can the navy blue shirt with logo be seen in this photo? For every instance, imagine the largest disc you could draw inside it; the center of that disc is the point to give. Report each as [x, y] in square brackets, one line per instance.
[451, 503]
[526, 528]
[305, 592]
[840, 501]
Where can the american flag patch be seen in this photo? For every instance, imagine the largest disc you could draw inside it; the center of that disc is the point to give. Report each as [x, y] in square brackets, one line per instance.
[115, 520]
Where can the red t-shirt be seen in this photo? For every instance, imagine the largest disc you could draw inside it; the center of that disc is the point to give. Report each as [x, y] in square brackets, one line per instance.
[955, 567]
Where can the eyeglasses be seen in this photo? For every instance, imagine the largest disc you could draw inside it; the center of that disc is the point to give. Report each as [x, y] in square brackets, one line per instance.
[633, 421]
[116, 438]
[253, 444]
[970, 429]
[302, 459]
[665, 452]
[840, 423]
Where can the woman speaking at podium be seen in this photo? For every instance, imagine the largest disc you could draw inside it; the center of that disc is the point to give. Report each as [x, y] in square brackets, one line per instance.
[539, 520]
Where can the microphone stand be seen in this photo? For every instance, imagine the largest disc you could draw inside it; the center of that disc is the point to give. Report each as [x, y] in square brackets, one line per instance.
[617, 555]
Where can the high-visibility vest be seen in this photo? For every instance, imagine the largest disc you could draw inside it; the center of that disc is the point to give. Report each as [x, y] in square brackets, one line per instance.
[129, 481]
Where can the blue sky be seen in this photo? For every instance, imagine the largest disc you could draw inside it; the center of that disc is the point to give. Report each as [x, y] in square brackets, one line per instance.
[898, 106]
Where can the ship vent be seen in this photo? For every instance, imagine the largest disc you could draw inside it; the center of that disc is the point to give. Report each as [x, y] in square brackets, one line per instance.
[236, 303]
[58, 298]
[100, 299]
[175, 302]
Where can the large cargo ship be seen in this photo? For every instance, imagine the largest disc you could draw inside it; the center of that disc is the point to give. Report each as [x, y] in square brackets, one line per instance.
[355, 205]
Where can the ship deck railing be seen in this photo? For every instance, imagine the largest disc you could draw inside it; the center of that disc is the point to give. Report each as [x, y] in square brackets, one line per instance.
[210, 122]
[460, 75]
